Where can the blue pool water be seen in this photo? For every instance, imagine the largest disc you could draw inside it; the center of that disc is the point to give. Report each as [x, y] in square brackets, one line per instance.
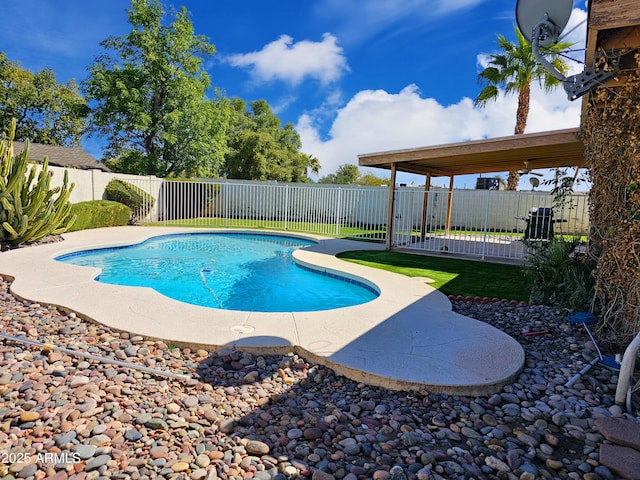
[232, 271]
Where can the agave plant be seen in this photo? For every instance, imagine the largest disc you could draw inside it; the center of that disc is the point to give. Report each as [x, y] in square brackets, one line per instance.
[29, 208]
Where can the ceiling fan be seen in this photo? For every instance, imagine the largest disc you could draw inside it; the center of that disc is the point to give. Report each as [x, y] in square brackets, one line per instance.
[527, 171]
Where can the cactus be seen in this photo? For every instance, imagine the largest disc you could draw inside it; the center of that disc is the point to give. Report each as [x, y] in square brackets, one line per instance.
[29, 208]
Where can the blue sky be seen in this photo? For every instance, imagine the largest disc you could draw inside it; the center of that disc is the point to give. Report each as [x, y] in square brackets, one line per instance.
[353, 76]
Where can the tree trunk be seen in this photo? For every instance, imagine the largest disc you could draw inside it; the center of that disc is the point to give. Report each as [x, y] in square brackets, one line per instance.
[612, 152]
[512, 180]
[522, 113]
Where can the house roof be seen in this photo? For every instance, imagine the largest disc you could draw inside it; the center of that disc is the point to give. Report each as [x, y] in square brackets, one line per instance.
[68, 157]
[559, 148]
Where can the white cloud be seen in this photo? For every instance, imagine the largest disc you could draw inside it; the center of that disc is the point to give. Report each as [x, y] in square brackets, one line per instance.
[576, 29]
[282, 103]
[376, 121]
[365, 20]
[446, 7]
[292, 62]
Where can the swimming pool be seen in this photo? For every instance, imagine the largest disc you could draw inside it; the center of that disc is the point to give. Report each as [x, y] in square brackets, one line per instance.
[230, 271]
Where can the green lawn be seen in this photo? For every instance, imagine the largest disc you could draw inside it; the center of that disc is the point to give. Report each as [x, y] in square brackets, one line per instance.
[451, 276]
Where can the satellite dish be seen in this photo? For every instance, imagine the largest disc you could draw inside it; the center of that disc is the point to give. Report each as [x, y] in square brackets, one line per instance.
[530, 13]
[541, 22]
[534, 182]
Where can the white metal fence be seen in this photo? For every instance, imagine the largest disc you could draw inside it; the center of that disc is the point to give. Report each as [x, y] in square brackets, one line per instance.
[313, 208]
[483, 223]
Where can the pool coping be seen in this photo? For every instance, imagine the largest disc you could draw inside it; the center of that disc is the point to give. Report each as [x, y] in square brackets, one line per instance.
[406, 339]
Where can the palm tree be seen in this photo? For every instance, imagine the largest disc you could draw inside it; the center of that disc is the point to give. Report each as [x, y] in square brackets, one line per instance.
[313, 164]
[513, 69]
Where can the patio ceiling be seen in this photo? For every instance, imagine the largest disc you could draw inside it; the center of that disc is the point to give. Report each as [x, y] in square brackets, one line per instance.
[559, 148]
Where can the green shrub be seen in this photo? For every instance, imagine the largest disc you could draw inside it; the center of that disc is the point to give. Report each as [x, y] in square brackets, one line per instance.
[562, 275]
[29, 208]
[139, 201]
[99, 213]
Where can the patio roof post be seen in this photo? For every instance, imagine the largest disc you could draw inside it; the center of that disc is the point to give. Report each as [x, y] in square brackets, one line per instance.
[449, 204]
[425, 206]
[390, 209]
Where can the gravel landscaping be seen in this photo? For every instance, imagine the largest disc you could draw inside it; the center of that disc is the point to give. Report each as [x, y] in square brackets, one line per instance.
[274, 417]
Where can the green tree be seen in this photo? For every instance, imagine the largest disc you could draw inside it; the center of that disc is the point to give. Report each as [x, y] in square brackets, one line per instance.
[349, 174]
[259, 148]
[513, 69]
[313, 164]
[345, 175]
[148, 93]
[372, 180]
[45, 110]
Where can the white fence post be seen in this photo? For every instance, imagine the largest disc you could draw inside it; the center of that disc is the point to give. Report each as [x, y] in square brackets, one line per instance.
[485, 224]
[226, 204]
[286, 207]
[338, 212]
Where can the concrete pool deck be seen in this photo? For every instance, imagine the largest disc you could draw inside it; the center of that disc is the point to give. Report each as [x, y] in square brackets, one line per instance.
[406, 339]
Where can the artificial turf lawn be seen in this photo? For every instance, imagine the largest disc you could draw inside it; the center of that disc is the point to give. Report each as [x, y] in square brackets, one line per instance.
[452, 276]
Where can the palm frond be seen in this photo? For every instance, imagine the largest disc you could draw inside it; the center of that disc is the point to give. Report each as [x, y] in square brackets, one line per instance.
[515, 67]
[490, 75]
[488, 93]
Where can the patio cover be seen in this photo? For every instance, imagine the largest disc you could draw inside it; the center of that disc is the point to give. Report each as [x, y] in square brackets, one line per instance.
[559, 148]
